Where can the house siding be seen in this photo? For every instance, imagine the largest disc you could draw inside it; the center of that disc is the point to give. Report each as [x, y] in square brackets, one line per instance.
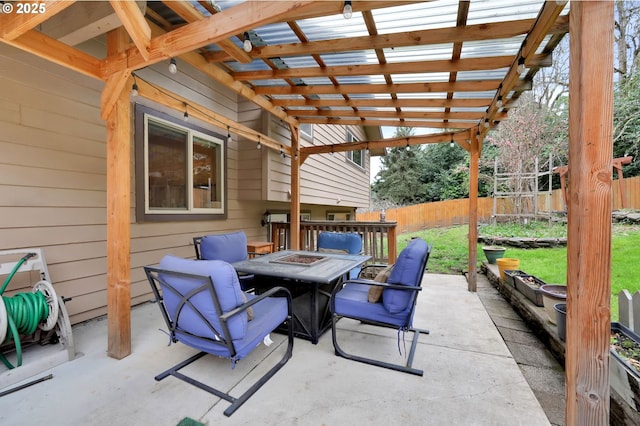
[53, 177]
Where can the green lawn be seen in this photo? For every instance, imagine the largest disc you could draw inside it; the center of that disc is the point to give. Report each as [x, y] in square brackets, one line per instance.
[450, 254]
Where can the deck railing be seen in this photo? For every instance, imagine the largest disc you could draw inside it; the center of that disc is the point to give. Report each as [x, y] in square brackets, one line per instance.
[378, 238]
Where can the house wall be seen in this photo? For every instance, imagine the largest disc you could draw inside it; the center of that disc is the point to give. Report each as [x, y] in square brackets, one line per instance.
[53, 177]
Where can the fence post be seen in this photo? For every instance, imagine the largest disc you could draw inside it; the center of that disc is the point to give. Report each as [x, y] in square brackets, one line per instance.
[635, 312]
[625, 313]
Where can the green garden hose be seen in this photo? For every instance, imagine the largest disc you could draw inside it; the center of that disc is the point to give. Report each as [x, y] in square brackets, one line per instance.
[24, 312]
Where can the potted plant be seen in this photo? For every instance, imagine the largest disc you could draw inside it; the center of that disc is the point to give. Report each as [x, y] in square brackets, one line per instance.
[624, 363]
[551, 295]
[530, 287]
[493, 253]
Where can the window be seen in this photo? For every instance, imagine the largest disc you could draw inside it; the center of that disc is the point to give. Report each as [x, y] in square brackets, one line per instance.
[306, 131]
[356, 157]
[180, 169]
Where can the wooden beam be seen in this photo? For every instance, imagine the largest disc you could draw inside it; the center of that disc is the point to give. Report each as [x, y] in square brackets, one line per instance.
[118, 215]
[190, 14]
[444, 65]
[200, 112]
[472, 117]
[472, 279]
[398, 103]
[211, 30]
[27, 15]
[294, 229]
[112, 91]
[390, 123]
[589, 219]
[485, 31]
[59, 53]
[133, 20]
[326, 89]
[457, 136]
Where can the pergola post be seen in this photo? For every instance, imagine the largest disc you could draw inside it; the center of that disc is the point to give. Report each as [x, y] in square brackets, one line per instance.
[294, 232]
[474, 152]
[589, 206]
[116, 109]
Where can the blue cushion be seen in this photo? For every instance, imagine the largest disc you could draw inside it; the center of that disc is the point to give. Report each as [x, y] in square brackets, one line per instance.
[352, 301]
[269, 314]
[230, 247]
[349, 241]
[227, 288]
[407, 270]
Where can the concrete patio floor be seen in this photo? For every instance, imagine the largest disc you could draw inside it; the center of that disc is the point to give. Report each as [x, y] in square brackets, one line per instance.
[470, 376]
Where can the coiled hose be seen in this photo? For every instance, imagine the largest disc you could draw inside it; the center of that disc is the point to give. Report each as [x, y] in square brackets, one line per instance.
[24, 312]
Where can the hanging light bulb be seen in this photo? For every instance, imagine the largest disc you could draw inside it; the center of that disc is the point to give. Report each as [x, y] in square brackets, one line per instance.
[499, 102]
[486, 122]
[521, 66]
[408, 148]
[228, 134]
[173, 66]
[347, 10]
[246, 45]
[282, 152]
[134, 89]
[451, 144]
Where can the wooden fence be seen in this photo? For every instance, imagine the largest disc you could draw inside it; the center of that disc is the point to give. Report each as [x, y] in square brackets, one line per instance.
[456, 212]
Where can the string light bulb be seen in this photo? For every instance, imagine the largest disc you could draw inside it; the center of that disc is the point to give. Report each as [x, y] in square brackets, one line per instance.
[259, 145]
[499, 101]
[486, 122]
[173, 66]
[185, 116]
[451, 144]
[228, 134]
[247, 45]
[347, 10]
[282, 152]
[521, 66]
[134, 89]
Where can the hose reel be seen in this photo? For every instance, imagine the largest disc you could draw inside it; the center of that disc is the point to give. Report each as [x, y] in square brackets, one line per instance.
[38, 316]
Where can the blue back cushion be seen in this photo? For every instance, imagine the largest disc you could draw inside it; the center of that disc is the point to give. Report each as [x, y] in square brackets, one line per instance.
[230, 247]
[340, 241]
[227, 288]
[407, 270]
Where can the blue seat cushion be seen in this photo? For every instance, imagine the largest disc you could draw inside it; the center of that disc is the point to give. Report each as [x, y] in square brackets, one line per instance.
[407, 270]
[269, 314]
[352, 301]
[227, 288]
[349, 241]
[231, 247]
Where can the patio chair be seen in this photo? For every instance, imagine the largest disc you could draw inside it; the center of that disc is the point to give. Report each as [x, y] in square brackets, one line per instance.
[346, 242]
[230, 247]
[205, 309]
[396, 309]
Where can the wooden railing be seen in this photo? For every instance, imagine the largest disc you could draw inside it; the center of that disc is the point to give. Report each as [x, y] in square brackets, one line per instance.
[378, 238]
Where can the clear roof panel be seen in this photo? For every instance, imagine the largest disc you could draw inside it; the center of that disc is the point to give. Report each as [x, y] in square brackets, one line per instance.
[419, 53]
[416, 17]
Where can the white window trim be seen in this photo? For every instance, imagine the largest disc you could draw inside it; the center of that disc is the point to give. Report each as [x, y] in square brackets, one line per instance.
[349, 154]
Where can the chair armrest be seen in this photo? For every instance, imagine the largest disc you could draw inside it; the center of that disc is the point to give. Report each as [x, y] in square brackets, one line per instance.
[268, 293]
[385, 285]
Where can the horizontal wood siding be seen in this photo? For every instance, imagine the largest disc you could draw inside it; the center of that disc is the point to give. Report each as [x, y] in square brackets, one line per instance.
[53, 177]
[327, 179]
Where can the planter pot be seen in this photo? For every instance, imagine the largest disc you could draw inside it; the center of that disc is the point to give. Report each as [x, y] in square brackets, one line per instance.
[530, 287]
[552, 294]
[507, 264]
[561, 319]
[509, 276]
[493, 253]
[624, 379]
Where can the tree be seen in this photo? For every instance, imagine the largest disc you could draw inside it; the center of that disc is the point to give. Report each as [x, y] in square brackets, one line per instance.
[399, 178]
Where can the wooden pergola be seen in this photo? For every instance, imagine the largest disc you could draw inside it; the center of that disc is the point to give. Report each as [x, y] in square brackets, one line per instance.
[390, 72]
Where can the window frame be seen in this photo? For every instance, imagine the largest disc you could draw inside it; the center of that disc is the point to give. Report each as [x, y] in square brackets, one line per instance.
[349, 154]
[143, 214]
[307, 135]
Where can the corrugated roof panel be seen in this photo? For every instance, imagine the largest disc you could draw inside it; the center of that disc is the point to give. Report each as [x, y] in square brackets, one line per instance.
[333, 26]
[356, 57]
[426, 95]
[361, 79]
[419, 53]
[432, 77]
[416, 17]
[485, 11]
[498, 74]
[498, 47]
